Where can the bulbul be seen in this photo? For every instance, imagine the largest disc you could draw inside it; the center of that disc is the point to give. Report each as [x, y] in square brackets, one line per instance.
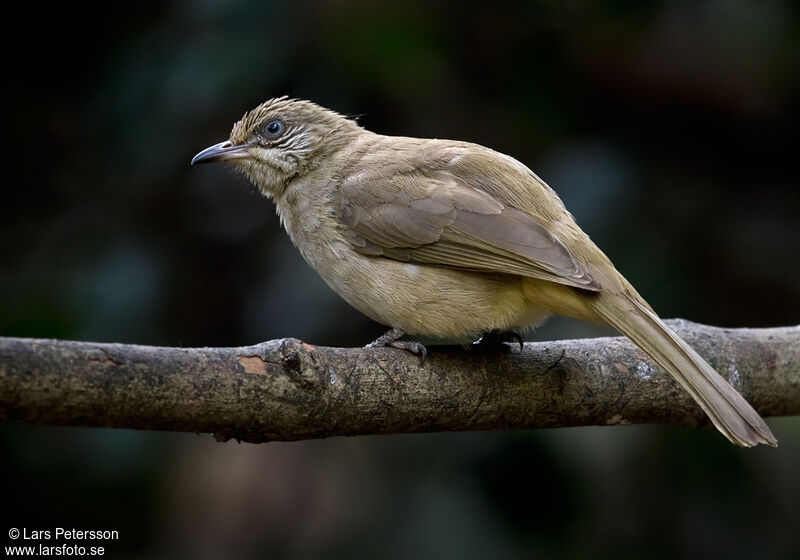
[450, 240]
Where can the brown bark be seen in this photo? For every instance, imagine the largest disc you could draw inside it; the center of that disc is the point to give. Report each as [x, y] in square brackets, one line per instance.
[289, 390]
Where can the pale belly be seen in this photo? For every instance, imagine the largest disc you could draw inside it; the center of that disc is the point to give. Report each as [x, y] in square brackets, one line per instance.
[426, 300]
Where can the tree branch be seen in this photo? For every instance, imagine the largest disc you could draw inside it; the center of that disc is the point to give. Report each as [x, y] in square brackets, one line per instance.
[289, 390]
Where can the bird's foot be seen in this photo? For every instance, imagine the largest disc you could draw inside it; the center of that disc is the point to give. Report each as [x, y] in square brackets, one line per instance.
[497, 337]
[392, 338]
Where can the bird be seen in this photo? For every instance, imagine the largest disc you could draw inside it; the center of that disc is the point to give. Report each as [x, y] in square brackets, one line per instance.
[450, 240]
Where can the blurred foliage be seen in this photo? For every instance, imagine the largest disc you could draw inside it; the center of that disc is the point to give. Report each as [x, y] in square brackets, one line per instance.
[669, 128]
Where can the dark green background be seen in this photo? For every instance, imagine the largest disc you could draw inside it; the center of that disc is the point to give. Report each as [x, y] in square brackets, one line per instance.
[670, 130]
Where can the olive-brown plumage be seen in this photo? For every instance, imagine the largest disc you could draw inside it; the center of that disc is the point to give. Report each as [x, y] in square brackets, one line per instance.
[452, 240]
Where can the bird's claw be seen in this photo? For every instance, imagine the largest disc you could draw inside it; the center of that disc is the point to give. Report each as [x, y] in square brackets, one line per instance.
[392, 338]
[413, 347]
[495, 337]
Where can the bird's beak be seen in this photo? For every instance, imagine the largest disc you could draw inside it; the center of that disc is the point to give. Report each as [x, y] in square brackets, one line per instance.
[224, 151]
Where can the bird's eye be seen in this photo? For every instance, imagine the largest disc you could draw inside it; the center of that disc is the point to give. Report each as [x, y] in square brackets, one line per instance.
[273, 128]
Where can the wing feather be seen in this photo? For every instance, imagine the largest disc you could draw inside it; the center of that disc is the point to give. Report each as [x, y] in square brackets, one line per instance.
[441, 219]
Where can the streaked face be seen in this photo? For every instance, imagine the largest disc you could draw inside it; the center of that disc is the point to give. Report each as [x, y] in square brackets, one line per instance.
[275, 141]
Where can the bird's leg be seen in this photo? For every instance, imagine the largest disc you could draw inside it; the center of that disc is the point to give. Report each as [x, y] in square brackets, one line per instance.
[387, 338]
[496, 337]
[392, 338]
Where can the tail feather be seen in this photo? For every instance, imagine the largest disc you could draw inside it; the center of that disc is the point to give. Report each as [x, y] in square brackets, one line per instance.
[728, 410]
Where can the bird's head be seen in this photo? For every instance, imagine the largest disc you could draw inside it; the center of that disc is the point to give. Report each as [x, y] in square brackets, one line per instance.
[280, 140]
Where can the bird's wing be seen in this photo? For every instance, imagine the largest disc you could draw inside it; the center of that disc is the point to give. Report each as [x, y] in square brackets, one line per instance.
[438, 218]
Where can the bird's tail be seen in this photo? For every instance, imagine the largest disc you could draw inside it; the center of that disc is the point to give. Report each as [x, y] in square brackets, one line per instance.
[728, 410]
